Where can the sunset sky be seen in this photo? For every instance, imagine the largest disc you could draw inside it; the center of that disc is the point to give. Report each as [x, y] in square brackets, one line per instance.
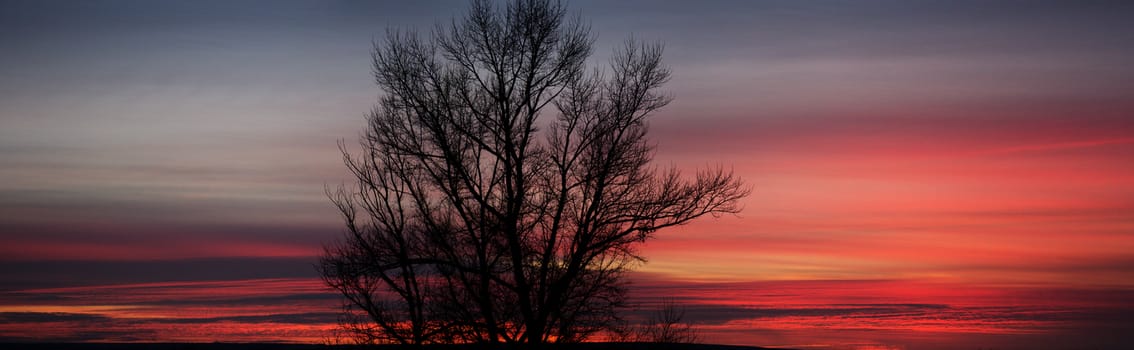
[926, 174]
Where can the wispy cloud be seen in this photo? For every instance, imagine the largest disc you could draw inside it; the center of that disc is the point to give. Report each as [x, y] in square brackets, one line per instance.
[232, 310]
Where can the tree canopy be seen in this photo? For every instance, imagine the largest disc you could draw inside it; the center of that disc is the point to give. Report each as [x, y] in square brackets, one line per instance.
[502, 187]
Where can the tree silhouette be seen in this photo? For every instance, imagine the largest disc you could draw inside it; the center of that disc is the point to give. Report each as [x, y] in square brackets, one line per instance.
[474, 220]
[667, 325]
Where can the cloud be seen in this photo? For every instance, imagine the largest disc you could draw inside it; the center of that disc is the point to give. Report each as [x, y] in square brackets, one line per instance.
[21, 275]
[115, 240]
[720, 314]
[296, 318]
[1065, 306]
[46, 317]
[232, 310]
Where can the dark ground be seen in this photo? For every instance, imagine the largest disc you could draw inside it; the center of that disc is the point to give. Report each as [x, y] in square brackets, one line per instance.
[262, 346]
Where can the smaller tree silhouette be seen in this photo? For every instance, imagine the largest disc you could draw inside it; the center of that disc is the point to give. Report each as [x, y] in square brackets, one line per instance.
[668, 325]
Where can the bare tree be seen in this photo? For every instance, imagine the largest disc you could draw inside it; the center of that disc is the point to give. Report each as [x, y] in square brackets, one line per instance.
[474, 220]
[668, 325]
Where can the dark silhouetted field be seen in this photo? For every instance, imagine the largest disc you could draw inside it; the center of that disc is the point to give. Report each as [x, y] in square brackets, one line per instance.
[263, 346]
